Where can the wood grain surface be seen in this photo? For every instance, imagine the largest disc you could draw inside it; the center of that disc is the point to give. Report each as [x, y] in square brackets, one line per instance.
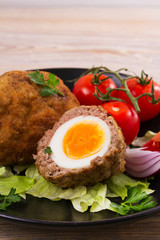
[143, 229]
[60, 36]
[80, 37]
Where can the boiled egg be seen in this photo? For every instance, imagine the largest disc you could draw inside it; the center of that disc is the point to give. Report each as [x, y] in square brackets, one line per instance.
[79, 140]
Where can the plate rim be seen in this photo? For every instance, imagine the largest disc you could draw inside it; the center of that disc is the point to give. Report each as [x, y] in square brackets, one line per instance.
[119, 219]
[135, 216]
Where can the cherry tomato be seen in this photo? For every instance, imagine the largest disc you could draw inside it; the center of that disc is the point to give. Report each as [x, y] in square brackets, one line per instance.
[153, 144]
[126, 117]
[84, 89]
[147, 109]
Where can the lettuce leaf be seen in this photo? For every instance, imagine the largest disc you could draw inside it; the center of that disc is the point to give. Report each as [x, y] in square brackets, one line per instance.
[140, 141]
[8, 181]
[20, 168]
[118, 185]
[96, 207]
[32, 172]
[20, 183]
[95, 194]
[43, 188]
[83, 198]
[94, 198]
[5, 171]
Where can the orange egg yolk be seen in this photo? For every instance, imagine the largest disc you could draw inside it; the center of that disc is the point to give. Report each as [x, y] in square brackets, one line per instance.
[83, 139]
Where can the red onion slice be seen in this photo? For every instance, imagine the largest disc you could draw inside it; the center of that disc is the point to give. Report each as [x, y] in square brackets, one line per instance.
[142, 166]
[138, 155]
[141, 163]
[147, 173]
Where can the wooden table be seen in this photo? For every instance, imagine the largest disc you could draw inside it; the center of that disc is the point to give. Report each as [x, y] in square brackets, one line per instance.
[81, 37]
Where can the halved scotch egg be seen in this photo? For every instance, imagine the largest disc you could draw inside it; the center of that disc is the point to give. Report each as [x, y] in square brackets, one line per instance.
[87, 147]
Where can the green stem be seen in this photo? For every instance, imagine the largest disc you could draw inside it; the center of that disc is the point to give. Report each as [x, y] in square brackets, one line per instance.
[60, 93]
[133, 99]
[128, 93]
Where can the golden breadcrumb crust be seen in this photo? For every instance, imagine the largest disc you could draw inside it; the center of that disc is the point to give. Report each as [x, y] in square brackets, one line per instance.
[25, 115]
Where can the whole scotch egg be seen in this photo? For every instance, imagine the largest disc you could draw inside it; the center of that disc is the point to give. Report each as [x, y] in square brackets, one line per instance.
[87, 147]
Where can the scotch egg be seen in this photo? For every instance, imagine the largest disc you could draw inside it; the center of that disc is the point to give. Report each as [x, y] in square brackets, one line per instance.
[86, 146]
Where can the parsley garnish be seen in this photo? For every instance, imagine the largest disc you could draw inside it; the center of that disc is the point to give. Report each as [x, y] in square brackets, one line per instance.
[6, 201]
[48, 150]
[136, 201]
[48, 86]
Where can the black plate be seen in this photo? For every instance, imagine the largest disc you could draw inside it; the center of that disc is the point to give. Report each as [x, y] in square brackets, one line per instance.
[43, 211]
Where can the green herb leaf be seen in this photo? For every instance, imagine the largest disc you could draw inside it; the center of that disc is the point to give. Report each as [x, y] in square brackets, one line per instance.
[122, 210]
[144, 204]
[47, 91]
[135, 195]
[48, 150]
[136, 201]
[48, 86]
[12, 197]
[37, 77]
[6, 201]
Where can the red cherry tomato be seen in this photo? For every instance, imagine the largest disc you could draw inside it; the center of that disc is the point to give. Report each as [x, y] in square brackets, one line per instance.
[84, 89]
[148, 110]
[126, 117]
[153, 144]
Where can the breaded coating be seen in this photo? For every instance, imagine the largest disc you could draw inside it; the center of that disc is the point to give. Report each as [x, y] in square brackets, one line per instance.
[25, 115]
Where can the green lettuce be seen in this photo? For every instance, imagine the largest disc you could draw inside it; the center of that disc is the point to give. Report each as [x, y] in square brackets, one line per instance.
[140, 141]
[95, 198]
[32, 172]
[20, 168]
[43, 188]
[81, 197]
[118, 185]
[95, 194]
[8, 181]
[5, 171]
[20, 183]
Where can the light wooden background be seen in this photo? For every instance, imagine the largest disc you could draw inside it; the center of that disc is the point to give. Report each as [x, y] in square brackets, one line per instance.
[39, 34]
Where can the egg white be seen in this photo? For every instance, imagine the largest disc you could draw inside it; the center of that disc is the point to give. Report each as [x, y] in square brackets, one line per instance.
[56, 144]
